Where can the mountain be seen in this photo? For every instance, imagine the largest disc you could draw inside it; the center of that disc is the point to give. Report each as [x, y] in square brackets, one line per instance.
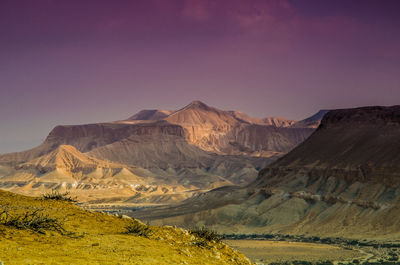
[311, 122]
[68, 158]
[67, 168]
[367, 149]
[152, 155]
[151, 114]
[112, 161]
[342, 181]
[279, 122]
[234, 133]
[183, 152]
[243, 117]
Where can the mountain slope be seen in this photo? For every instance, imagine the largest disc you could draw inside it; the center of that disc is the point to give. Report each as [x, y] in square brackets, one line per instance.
[196, 147]
[68, 158]
[90, 136]
[66, 168]
[151, 114]
[279, 122]
[342, 181]
[367, 149]
[98, 238]
[232, 132]
[174, 161]
[223, 132]
[155, 154]
[311, 122]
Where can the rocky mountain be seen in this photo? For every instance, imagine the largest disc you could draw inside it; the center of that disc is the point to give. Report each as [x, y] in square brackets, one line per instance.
[232, 132]
[153, 156]
[151, 115]
[342, 181]
[280, 122]
[68, 158]
[195, 148]
[311, 122]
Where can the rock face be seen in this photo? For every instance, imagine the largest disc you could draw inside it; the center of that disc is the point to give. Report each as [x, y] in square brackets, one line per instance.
[232, 132]
[68, 158]
[280, 122]
[196, 147]
[342, 181]
[91, 136]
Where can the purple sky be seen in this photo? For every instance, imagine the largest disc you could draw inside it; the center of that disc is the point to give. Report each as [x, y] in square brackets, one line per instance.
[72, 62]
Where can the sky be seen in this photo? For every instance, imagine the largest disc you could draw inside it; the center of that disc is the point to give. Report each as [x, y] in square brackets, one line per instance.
[86, 61]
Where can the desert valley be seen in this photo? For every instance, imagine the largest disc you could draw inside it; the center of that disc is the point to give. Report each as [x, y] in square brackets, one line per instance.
[199, 132]
[313, 180]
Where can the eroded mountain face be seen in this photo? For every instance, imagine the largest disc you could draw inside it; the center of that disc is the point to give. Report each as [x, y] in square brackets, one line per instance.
[154, 153]
[343, 180]
[235, 133]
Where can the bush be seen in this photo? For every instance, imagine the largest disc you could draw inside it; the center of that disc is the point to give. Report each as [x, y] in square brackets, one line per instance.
[138, 229]
[327, 262]
[56, 195]
[202, 243]
[301, 262]
[32, 220]
[206, 234]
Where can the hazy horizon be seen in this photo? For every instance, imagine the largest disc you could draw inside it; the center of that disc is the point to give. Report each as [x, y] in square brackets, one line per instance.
[75, 62]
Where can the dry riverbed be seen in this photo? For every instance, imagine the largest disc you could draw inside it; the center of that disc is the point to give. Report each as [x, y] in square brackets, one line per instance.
[265, 251]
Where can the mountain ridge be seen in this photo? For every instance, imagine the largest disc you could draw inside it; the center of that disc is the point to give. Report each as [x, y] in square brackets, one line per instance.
[310, 191]
[197, 147]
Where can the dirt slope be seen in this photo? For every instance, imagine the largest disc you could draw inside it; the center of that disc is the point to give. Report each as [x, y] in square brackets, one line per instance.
[96, 238]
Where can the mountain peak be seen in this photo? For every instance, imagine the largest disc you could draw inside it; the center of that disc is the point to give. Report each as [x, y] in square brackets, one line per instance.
[151, 114]
[65, 156]
[318, 116]
[67, 148]
[312, 121]
[197, 104]
[69, 158]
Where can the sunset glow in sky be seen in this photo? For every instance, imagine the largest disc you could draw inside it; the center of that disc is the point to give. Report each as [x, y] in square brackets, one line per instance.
[84, 61]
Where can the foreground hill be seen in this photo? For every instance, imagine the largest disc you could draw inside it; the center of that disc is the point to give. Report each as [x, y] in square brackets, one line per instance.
[342, 181]
[155, 155]
[62, 233]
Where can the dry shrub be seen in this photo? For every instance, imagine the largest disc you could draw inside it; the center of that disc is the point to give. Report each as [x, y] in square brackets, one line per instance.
[207, 234]
[32, 220]
[58, 196]
[138, 229]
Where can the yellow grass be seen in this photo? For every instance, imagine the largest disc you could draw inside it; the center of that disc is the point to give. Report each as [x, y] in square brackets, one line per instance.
[99, 239]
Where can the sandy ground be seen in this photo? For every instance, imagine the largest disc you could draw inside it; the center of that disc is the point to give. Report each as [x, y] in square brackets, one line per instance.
[278, 251]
